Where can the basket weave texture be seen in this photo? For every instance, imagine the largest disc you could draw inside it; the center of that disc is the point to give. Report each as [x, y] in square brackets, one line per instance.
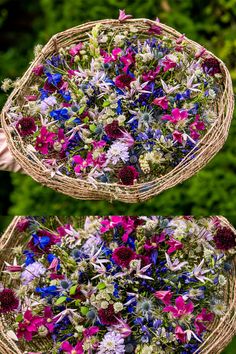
[78, 188]
[220, 334]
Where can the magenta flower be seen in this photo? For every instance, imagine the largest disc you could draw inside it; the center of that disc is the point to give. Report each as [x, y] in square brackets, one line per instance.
[38, 70]
[176, 115]
[180, 334]
[8, 301]
[178, 136]
[123, 328]
[113, 130]
[154, 242]
[62, 139]
[113, 57]
[123, 80]
[168, 64]
[31, 97]
[76, 49]
[181, 309]
[81, 163]
[202, 317]
[108, 316]
[122, 16]
[154, 29]
[174, 245]
[29, 326]
[200, 52]
[128, 175]
[69, 349]
[91, 331]
[161, 101]
[151, 74]
[127, 60]
[123, 256]
[195, 127]
[164, 295]
[49, 322]
[44, 141]
[22, 224]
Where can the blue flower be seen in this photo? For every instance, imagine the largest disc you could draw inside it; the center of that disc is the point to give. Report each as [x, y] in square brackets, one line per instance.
[29, 257]
[54, 78]
[60, 114]
[51, 257]
[41, 241]
[47, 291]
[66, 95]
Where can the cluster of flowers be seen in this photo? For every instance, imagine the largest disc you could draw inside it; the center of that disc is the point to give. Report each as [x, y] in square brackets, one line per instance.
[118, 285]
[124, 106]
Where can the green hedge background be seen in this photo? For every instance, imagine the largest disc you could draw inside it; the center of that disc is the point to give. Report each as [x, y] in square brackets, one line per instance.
[212, 23]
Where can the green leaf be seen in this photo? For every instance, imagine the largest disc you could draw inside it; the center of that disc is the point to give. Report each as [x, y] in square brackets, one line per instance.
[101, 286]
[92, 127]
[82, 109]
[19, 317]
[60, 300]
[84, 310]
[106, 103]
[73, 289]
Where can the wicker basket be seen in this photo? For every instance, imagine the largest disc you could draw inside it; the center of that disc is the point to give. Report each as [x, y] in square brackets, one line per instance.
[220, 333]
[208, 146]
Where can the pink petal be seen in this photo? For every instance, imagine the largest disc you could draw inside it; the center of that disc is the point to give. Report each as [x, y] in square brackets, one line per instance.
[123, 16]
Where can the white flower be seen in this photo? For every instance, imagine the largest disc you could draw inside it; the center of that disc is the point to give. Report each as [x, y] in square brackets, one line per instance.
[112, 343]
[176, 265]
[219, 307]
[118, 151]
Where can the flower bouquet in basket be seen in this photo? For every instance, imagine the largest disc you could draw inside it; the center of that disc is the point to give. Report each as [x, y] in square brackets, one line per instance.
[118, 109]
[117, 285]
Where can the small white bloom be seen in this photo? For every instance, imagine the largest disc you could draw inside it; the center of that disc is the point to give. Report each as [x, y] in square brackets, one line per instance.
[112, 343]
[117, 151]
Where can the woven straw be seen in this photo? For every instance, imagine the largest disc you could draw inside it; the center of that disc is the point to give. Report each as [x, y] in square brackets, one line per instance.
[78, 188]
[220, 334]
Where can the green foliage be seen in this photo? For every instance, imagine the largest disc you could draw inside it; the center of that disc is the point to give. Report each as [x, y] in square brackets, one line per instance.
[211, 23]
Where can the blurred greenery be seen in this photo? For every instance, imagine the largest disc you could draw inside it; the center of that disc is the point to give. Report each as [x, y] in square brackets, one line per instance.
[212, 23]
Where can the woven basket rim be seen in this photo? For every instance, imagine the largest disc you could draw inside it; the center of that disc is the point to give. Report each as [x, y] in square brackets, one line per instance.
[212, 141]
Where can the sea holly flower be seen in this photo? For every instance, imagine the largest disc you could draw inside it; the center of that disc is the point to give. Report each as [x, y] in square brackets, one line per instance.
[181, 309]
[69, 349]
[29, 326]
[164, 295]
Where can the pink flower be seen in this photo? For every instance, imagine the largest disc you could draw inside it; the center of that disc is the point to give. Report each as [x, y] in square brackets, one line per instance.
[38, 70]
[151, 75]
[154, 29]
[123, 80]
[154, 242]
[164, 295]
[81, 163]
[49, 322]
[180, 39]
[161, 101]
[197, 125]
[180, 334]
[127, 60]
[168, 64]
[200, 52]
[123, 328]
[123, 16]
[113, 57]
[69, 349]
[174, 245]
[91, 331]
[44, 141]
[62, 139]
[203, 316]
[31, 97]
[29, 326]
[54, 264]
[76, 49]
[180, 309]
[178, 136]
[176, 115]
